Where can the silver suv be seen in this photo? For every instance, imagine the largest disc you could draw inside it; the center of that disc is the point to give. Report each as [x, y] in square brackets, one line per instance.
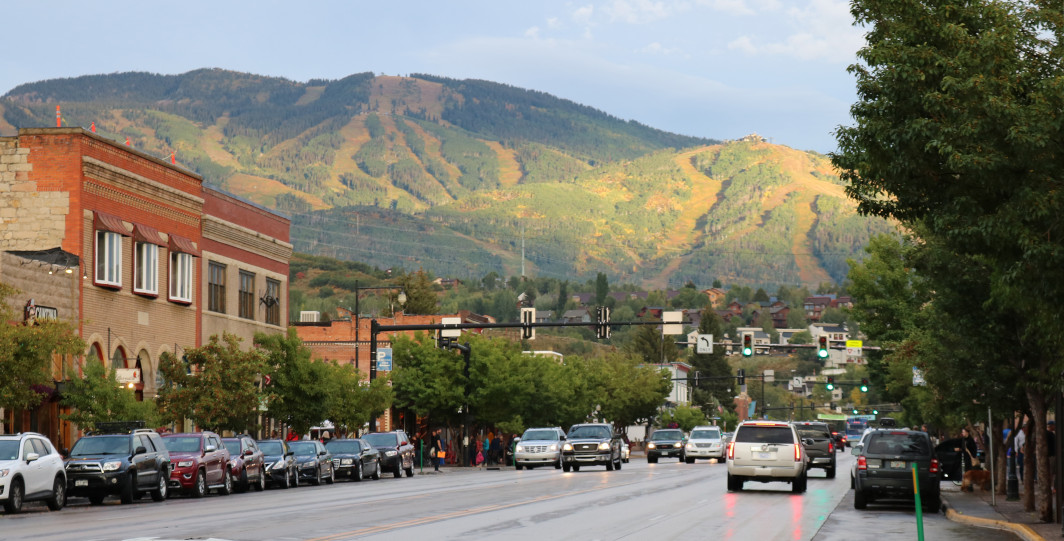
[704, 442]
[766, 451]
[539, 447]
[30, 469]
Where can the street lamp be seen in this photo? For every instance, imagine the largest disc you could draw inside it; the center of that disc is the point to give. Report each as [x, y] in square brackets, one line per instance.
[401, 298]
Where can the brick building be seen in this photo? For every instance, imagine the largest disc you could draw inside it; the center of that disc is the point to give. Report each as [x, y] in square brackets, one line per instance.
[134, 230]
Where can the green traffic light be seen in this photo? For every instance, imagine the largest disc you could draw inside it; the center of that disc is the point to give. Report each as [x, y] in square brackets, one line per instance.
[747, 352]
[864, 388]
[823, 354]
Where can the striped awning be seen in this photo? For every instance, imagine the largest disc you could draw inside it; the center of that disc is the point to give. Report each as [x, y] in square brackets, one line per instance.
[102, 221]
[183, 245]
[150, 235]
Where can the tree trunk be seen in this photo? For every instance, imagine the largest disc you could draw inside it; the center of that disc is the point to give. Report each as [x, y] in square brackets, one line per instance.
[1043, 485]
[1028, 466]
[1001, 462]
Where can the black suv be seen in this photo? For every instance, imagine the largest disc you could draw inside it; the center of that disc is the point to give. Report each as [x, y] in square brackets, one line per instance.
[397, 452]
[119, 458]
[885, 458]
[819, 445]
[666, 442]
[592, 444]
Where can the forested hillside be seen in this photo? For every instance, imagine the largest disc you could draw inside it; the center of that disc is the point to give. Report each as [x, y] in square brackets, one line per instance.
[455, 175]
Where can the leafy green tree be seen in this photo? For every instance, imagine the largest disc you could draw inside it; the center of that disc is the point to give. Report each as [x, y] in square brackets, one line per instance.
[563, 297]
[420, 298]
[98, 398]
[760, 295]
[217, 389]
[685, 417]
[427, 380]
[714, 385]
[602, 288]
[26, 354]
[631, 392]
[796, 318]
[649, 346]
[352, 400]
[298, 394]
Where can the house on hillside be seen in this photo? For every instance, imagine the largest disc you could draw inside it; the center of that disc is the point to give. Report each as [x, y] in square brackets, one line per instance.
[544, 316]
[814, 306]
[779, 315]
[578, 315]
[715, 296]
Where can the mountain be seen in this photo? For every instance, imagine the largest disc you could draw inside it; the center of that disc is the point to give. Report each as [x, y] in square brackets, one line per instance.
[460, 176]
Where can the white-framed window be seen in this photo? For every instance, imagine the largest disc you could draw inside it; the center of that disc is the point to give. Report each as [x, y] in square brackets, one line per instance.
[180, 277]
[145, 268]
[108, 258]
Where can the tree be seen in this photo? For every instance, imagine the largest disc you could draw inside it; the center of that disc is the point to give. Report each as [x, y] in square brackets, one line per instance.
[218, 387]
[685, 417]
[649, 346]
[761, 295]
[352, 401]
[26, 354]
[602, 288]
[420, 298]
[714, 387]
[630, 392]
[427, 380]
[98, 398]
[298, 394]
[563, 297]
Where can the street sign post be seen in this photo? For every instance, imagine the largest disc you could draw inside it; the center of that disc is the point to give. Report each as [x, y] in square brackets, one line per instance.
[704, 344]
[853, 348]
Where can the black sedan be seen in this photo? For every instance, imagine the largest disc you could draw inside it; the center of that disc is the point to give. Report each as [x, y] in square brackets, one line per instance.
[354, 459]
[313, 461]
[280, 463]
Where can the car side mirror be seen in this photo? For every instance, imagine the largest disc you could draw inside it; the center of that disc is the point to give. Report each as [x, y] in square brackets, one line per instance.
[64, 452]
[30, 457]
[140, 450]
[289, 453]
[856, 450]
[808, 441]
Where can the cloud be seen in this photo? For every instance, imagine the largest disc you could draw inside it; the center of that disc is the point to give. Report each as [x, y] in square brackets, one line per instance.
[532, 32]
[638, 11]
[820, 30]
[743, 44]
[657, 48]
[583, 14]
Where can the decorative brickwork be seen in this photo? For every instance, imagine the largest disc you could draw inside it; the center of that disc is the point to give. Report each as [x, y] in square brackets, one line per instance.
[29, 219]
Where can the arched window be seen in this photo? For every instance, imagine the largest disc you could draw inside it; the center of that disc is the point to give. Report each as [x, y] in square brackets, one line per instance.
[118, 358]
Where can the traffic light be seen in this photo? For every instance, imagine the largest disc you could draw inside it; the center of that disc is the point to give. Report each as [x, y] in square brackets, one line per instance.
[602, 322]
[875, 411]
[864, 385]
[831, 383]
[855, 411]
[742, 377]
[528, 317]
[748, 344]
[822, 347]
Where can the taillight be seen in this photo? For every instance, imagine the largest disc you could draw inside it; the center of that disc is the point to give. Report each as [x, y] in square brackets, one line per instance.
[862, 463]
[731, 450]
[934, 466]
[831, 447]
[797, 452]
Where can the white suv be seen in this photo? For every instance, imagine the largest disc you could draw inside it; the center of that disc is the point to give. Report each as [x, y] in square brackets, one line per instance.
[704, 442]
[766, 451]
[30, 469]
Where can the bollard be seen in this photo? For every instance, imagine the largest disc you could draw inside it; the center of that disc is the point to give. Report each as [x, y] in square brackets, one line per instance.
[919, 506]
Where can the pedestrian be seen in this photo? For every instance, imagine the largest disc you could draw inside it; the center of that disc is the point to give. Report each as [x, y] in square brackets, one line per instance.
[325, 437]
[291, 435]
[496, 449]
[1019, 443]
[485, 449]
[438, 453]
[968, 450]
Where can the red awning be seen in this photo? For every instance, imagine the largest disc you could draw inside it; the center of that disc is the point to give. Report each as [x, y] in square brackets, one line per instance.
[183, 245]
[147, 234]
[109, 222]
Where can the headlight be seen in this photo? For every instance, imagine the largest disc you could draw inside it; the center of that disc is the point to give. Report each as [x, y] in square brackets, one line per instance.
[279, 465]
[307, 464]
[677, 445]
[651, 446]
[554, 447]
[567, 447]
[690, 446]
[604, 446]
[346, 461]
[391, 453]
[3, 473]
[111, 466]
[520, 449]
[184, 463]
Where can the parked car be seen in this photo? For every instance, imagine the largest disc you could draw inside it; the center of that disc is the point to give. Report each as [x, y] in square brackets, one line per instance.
[766, 451]
[280, 463]
[246, 463]
[539, 447]
[885, 458]
[396, 449]
[30, 470]
[626, 452]
[201, 463]
[705, 442]
[118, 459]
[666, 442]
[819, 445]
[354, 459]
[591, 444]
[313, 461]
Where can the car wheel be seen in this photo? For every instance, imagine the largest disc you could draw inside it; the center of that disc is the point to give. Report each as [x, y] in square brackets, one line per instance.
[735, 483]
[287, 481]
[566, 468]
[831, 472]
[410, 471]
[558, 464]
[398, 471]
[617, 466]
[261, 485]
[295, 477]
[689, 460]
[798, 485]
[576, 467]
[127, 489]
[518, 466]
[377, 472]
[58, 499]
[96, 499]
[860, 501]
[332, 476]
[227, 486]
[652, 460]
[359, 474]
[14, 498]
[244, 484]
[317, 476]
[932, 503]
[160, 492]
[199, 487]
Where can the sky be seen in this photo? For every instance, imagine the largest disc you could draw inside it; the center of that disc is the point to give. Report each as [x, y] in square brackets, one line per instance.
[721, 69]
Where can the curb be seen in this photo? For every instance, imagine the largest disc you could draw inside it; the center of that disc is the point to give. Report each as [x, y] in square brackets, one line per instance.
[1021, 530]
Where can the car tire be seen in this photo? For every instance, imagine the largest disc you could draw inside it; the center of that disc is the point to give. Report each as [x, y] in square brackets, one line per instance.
[617, 466]
[227, 485]
[58, 499]
[126, 494]
[261, 485]
[332, 476]
[410, 471]
[359, 474]
[576, 467]
[852, 483]
[287, 482]
[518, 466]
[689, 460]
[830, 472]
[244, 484]
[558, 464]
[735, 483]
[609, 465]
[860, 501]
[199, 484]
[96, 499]
[566, 468]
[377, 472]
[317, 477]
[652, 460]
[162, 490]
[398, 471]
[799, 485]
[295, 478]
[13, 504]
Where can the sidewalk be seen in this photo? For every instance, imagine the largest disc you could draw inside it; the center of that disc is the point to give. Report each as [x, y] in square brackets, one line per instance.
[975, 508]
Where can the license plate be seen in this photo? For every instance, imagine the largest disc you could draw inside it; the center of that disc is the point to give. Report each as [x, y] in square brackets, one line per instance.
[897, 464]
[81, 482]
[764, 456]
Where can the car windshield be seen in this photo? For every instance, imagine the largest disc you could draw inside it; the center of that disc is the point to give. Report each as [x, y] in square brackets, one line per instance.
[764, 434]
[661, 435]
[233, 446]
[540, 435]
[600, 432]
[382, 440]
[101, 445]
[898, 443]
[303, 448]
[352, 447]
[182, 444]
[272, 448]
[707, 434]
[9, 450]
[812, 433]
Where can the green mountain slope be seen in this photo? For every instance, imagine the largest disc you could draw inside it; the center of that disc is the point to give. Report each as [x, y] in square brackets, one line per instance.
[454, 175]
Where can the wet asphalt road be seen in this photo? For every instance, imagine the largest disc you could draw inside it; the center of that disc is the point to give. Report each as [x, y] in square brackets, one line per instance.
[668, 500]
